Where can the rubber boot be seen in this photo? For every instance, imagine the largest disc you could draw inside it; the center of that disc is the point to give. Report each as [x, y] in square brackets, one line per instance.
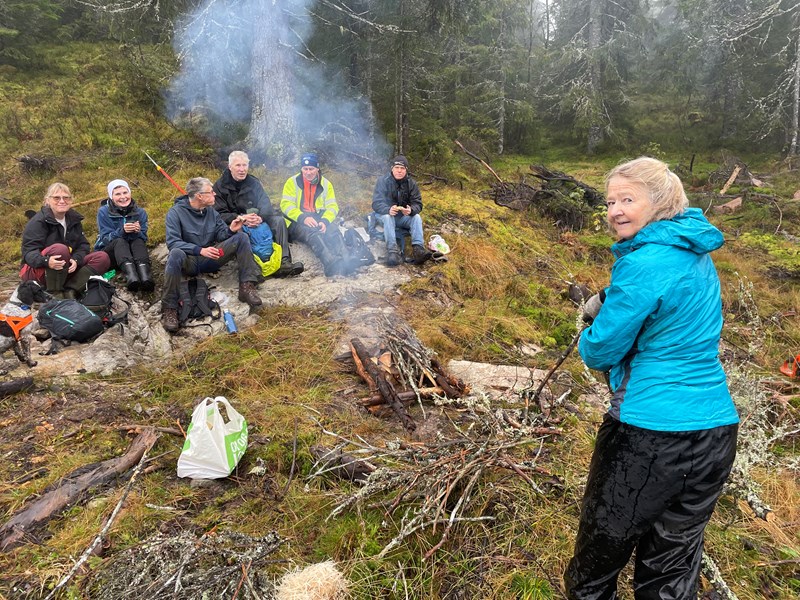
[54, 281]
[76, 286]
[131, 276]
[146, 283]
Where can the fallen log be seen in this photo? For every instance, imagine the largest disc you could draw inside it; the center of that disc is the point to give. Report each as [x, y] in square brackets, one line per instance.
[378, 400]
[7, 388]
[385, 387]
[70, 489]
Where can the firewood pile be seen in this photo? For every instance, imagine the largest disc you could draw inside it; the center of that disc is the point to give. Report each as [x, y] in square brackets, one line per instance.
[558, 196]
[440, 485]
[402, 372]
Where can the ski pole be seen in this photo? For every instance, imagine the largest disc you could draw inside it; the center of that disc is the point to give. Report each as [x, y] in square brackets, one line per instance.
[165, 174]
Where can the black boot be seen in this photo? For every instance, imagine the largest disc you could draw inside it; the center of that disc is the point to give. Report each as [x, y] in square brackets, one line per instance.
[146, 283]
[289, 268]
[330, 263]
[131, 276]
[76, 286]
[420, 254]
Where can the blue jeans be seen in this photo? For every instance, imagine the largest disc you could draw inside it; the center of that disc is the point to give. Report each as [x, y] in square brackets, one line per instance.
[410, 224]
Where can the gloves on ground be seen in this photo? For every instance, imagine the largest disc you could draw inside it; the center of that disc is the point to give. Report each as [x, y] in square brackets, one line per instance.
[592, 307]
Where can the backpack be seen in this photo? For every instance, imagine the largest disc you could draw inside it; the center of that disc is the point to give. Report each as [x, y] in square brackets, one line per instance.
[194, 301]
[99, 298]
[260, 240]
[357, 248]
[70, 320]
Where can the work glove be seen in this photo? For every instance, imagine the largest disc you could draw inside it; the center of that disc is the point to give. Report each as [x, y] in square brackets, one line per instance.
[592, 307]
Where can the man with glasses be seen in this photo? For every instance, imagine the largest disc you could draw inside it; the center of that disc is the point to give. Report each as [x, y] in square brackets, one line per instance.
[55, 251]
[199, 241]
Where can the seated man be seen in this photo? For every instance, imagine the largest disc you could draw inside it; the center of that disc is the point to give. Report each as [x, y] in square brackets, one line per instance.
[310, 207]
[193, 229]
[237, 193]
[398, 202]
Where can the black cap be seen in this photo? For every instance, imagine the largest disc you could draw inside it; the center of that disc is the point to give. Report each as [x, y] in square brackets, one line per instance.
[400, 161]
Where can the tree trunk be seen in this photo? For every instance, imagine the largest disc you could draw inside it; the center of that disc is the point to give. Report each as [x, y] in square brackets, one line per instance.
[401, 89]
[796, 99]
[595, 134]
[273, 128]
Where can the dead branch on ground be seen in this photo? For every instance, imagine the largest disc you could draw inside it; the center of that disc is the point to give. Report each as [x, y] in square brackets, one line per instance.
[188, 566]
[70, 489]
[568, 202]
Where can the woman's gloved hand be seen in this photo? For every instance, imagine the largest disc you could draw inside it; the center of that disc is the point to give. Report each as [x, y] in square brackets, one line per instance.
[592, 307]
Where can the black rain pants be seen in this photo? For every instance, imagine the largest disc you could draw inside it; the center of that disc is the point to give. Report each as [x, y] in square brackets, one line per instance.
[652, 492]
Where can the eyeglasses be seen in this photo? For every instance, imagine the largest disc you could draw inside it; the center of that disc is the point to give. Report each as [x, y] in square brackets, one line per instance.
[61, 198]
[208, 192]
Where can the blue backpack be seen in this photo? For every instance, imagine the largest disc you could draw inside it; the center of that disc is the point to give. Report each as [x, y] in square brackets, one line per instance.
[260, 240]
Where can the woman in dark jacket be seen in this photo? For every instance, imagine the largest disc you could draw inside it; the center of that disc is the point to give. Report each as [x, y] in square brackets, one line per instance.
[55, 251]
[122, 234]
[668, 441]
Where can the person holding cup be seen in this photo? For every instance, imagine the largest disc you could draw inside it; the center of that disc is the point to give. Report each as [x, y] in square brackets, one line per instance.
[199, 241]
[122, 234]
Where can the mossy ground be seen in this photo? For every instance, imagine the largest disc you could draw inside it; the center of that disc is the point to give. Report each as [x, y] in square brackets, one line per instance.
[502, 289]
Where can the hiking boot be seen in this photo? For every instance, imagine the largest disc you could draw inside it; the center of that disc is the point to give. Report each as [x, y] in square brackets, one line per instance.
[420, 254]
[169, 319]
[289, 268]
[248, 295]
[393, 257]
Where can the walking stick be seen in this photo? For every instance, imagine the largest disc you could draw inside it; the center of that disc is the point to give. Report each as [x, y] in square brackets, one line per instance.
[165, 174]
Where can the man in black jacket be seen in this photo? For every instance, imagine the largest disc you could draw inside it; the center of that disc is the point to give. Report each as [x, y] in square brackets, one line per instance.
[397, 202]
[237, 193]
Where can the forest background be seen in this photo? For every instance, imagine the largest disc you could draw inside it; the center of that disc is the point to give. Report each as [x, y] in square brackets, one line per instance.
[85, 86]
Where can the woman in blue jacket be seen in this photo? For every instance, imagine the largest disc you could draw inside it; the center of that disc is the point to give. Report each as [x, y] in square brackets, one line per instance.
[122, 234]
[668, 441]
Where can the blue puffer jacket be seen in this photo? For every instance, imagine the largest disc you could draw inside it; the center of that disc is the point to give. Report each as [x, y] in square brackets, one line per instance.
[110, 223]
[659, 328]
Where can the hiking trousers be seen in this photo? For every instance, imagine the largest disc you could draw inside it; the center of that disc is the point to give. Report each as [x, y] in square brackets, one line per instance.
[122, 251]
[652, 492]
[179, 263]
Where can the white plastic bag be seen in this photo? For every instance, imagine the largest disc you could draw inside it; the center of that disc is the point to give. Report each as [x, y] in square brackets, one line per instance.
[213, 447]
[437, 244]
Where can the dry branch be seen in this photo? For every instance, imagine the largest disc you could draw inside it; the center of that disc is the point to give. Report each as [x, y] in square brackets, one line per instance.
[479, 159]
[385, 386]
[70, 489]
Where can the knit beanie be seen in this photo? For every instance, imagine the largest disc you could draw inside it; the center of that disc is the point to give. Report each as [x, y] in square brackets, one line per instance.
[309, 160]
[117, 183]
[400, 161]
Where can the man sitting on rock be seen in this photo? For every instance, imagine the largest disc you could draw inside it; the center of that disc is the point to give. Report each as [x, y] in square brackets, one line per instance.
[237, 193]
[199, 241]
[309, 204]
[397, 202]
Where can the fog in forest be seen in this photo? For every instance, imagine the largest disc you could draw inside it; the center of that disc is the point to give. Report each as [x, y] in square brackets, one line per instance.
[245, 67]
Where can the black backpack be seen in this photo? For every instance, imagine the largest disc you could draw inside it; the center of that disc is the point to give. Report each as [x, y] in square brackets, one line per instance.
[99, 298]
[70, 320]
[194, 301]
[357, 248]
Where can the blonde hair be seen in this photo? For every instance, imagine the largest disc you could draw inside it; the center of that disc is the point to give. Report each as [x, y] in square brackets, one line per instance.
[57, 186]
[664, 188]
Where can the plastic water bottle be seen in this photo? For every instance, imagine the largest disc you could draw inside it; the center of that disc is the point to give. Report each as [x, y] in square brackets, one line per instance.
[230, 324]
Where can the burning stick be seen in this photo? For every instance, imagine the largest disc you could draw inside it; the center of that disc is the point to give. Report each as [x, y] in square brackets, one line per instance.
[165, 174]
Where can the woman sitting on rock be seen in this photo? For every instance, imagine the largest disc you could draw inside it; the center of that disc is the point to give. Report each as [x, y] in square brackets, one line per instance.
[122, 234]
[55, 251]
